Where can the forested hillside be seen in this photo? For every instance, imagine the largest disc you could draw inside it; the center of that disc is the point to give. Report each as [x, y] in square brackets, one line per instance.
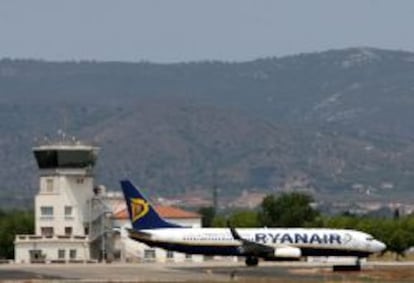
[331, 122]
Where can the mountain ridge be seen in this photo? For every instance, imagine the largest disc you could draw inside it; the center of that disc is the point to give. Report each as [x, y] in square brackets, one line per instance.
[332, 119]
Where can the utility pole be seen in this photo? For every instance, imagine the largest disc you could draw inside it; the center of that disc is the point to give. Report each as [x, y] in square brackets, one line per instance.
[215, 198]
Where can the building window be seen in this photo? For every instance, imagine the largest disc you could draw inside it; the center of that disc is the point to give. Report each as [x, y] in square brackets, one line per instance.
[68, 211]
[188, 256]
[80, 180]
[170, 254]
[72, 254]
[61, 254]
[68, 231]
[46, 211]
[36, 256]
[149, 254]
[49, 186]
[86, 230]
[46, 231]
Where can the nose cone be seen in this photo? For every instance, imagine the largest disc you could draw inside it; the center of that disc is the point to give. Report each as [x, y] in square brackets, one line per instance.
[378, 246]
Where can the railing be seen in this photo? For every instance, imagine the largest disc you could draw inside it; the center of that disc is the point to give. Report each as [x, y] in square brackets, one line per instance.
[46, 238]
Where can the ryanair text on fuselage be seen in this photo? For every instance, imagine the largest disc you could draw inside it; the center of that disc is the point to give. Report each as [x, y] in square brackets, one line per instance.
[300, 238]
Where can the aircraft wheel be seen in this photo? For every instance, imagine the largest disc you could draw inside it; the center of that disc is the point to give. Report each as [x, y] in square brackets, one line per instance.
[252, 261]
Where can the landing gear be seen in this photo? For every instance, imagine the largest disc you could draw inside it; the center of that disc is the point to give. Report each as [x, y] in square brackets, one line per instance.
[355, 267]
[252, 261]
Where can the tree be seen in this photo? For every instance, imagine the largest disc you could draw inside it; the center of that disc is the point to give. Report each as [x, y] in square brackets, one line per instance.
[240, 218]
[12, 223]
[399, 242]
[220, 221]
[287, 210]
[244, 218]
[207, 216]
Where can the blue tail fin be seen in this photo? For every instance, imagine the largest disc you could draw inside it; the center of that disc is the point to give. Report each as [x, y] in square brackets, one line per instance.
[141, 213]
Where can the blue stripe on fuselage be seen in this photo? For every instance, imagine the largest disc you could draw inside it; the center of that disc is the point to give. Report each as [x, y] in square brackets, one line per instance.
[229, 250]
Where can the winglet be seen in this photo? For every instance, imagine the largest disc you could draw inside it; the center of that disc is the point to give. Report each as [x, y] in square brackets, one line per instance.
[234, 233]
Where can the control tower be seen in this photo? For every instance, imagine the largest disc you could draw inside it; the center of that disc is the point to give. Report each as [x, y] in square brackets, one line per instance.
[62, 204]
[66, 186]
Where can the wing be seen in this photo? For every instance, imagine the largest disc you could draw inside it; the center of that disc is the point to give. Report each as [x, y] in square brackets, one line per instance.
[260, 250]
[252, 248]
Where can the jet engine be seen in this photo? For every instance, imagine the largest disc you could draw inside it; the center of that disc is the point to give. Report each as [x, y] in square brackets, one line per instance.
[288, 252]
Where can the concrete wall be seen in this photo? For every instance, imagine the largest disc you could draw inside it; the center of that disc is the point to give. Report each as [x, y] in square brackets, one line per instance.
[50, 248]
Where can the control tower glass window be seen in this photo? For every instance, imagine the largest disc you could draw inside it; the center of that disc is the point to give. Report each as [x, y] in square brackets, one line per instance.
[64, 158]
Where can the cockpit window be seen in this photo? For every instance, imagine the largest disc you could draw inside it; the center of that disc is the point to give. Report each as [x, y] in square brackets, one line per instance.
[370, 239]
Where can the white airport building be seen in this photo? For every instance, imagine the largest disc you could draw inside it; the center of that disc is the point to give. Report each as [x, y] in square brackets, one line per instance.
[76, 221]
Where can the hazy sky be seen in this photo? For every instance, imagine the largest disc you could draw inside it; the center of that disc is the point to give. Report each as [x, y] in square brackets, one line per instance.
[188, 30]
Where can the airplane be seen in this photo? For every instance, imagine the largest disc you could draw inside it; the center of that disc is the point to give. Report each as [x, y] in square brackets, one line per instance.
[271, 244]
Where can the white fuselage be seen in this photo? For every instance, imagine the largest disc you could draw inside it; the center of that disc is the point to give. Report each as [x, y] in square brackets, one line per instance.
[310, 242]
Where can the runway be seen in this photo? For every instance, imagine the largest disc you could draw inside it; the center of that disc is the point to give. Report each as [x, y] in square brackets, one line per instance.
[203, 272]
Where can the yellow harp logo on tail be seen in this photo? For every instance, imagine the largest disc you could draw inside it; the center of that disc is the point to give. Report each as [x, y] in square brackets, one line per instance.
[139, 208]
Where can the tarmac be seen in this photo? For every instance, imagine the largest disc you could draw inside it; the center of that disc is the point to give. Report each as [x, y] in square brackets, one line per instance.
[222, 271]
